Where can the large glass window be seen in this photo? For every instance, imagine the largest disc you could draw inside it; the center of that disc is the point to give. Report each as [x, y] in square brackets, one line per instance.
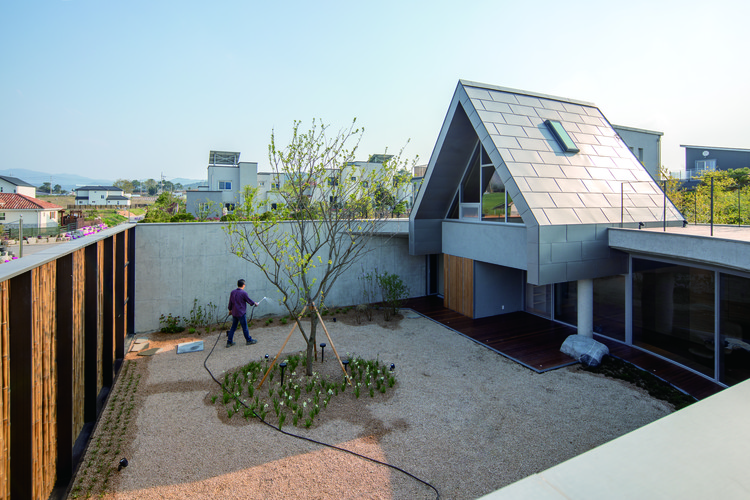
[566, 302]
[539, 299]
[609, 307]
[734, 354]
[673, 313]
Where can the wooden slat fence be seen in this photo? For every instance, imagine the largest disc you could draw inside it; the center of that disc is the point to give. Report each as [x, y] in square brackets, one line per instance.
[46, 351]
[78, 341]
[5, 387]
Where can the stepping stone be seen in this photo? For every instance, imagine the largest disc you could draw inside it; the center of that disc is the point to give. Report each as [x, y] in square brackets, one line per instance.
[139, 346]
[149, 352]
[190, 347]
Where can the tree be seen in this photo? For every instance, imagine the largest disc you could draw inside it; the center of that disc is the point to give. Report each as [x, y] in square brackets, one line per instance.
[164, 208]
[45, 188]
[315, 234]
[136, 185]
[151, 187]
[124, 184]
[57, 189]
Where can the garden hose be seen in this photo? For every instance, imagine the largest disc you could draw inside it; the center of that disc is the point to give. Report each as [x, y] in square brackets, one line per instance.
[334, 447]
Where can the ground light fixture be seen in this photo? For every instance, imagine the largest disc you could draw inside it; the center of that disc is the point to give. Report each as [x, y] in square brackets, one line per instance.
[266, 357]
[393, 366]
[282, 365]
[322, 351]
[123, 463]
[346, 365]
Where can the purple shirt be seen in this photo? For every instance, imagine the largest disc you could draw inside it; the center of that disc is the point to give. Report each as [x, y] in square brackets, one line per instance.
[237, 300]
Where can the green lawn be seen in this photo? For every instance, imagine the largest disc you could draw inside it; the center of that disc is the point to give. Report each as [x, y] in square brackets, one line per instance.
[492, 200]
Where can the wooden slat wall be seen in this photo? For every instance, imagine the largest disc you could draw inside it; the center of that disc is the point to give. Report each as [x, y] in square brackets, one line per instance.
[5, 388]
[79, 287]
[100, 318]
[44, 380]
[126, 235]
[458, 291]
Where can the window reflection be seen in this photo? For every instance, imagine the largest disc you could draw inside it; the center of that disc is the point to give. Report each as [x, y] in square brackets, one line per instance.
[673, 313]
[735, 329]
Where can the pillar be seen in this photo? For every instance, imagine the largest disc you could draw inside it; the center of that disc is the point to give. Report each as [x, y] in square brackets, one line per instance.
[586, 308]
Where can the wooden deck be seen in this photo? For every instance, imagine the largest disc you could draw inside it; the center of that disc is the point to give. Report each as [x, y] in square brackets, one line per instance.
[535, 343]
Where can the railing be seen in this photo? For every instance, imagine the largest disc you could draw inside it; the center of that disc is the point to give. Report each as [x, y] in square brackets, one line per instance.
[63, 321]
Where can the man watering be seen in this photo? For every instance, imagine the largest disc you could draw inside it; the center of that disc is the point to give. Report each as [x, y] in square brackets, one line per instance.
[237, 308]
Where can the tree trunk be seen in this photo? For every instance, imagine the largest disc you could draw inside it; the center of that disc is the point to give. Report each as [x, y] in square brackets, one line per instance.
[311, 345]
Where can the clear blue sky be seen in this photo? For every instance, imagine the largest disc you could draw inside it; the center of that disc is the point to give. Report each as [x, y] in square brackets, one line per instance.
[132, 89]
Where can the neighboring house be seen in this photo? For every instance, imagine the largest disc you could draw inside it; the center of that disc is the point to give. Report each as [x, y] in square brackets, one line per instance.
[35, 213]
[645, 145]
[227, 176]
[101, 195]
[15, 185]
[700, 159]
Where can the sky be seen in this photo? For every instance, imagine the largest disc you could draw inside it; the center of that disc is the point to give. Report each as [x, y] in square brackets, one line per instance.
[139, 89]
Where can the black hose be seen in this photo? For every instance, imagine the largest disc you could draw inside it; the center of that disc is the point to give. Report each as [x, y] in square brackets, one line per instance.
[437, 493]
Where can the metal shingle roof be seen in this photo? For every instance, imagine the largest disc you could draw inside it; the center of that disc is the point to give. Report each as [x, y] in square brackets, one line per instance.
[567, 188]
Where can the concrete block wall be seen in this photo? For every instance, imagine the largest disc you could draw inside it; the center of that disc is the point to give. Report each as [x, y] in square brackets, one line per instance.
[177, 263]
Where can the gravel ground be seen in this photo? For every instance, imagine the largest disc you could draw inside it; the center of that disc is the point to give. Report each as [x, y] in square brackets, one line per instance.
[462, 418]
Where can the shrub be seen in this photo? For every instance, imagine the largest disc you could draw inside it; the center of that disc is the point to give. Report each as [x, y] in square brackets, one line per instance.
[394, 292]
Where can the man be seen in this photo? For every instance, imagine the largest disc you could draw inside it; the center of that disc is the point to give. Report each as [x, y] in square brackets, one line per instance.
[237, 308]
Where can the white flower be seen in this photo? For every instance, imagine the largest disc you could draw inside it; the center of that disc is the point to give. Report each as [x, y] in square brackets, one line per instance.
[304, 404]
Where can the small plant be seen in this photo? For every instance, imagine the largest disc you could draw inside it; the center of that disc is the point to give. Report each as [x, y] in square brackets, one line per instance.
[170, 324]
[394, 292]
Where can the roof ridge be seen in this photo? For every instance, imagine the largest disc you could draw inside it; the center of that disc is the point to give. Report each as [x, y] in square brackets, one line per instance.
[470, 83]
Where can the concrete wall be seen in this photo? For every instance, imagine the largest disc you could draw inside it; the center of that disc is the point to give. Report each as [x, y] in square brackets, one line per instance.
[177, 263]
[497, 290]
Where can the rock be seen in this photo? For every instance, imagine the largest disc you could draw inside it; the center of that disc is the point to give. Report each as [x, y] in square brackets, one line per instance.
[584, 349]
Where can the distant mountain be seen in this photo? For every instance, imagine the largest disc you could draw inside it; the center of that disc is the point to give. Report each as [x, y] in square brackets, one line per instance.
[70, 182]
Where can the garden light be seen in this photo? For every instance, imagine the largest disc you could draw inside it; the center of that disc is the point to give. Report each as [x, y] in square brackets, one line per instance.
[266, 357]
[346, 365]
[322, 351]
[393, 366]
[282, 365]
[123, 464]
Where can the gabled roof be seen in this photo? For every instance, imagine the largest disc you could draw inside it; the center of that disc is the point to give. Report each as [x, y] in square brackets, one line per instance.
[12, 201]
[98, 188]
[15, 181]
[548, 186]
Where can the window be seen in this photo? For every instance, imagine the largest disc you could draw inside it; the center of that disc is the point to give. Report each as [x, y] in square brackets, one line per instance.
[275, 185]
[354, 179]
[640, 155]
[332, 181]
[365, 184]
[274, 206]
[52, 215]
[705, 165]
[102, 197]
[262, 183]
[2, 215]
[561, 136]
[225, 185]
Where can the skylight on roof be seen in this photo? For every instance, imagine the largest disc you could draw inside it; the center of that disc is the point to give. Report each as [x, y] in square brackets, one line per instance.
[562, 137]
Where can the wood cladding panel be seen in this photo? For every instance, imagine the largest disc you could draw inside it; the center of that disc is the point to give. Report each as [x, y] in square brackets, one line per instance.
[44, 381]
[100, 317]
[459, 284]
[79, 344]
[5, 388]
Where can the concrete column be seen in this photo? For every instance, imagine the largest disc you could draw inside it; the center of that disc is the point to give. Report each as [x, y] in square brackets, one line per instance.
[586, 308]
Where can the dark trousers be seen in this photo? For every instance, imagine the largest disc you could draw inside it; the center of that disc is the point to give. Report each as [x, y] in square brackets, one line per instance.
[242, 320]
